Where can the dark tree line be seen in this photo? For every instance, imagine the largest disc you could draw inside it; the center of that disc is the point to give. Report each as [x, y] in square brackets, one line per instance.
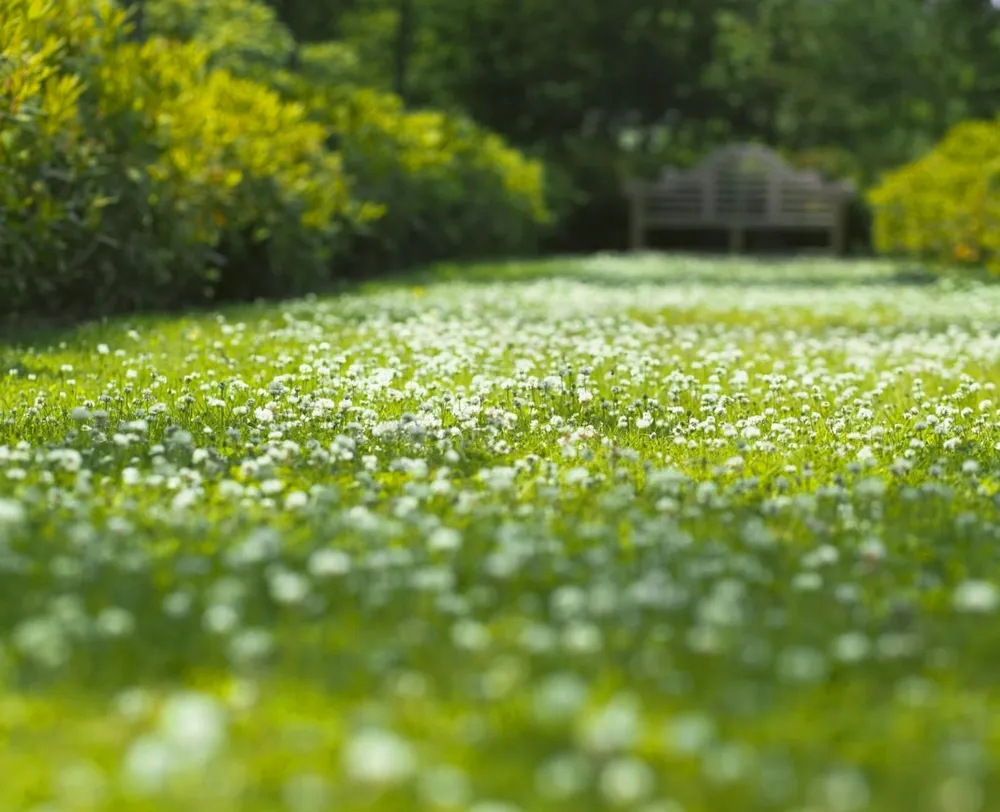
[602, 89]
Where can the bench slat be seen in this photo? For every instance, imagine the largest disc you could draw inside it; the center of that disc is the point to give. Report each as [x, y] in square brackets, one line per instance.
[738, 187]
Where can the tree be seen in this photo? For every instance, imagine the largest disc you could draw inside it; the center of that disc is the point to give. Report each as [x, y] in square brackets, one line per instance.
[605, 89]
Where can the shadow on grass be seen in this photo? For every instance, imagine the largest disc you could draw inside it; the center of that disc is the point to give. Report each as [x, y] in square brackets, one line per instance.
[24, 337]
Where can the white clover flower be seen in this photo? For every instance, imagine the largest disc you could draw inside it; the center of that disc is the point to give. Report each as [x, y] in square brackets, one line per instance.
[288, 587]
[230, 489]
[379, 757]
[326, 563]
[615, 727]
[690, 733]
[271, 487]
[444, 787]
[148, 765]
[470, 635]
[177, 604]
[184, 499]
[563, 776]
[500, 478]
[978, 597]
[250, 646]
[115, 622]
[802, 664]
[296, 500]
[444, 539]
[42, 640]
[583, 638]
[851, 647]
[220, 618]
[846, 791]
[194, 726]
[625, 781]
[559, 697]
[12, 512]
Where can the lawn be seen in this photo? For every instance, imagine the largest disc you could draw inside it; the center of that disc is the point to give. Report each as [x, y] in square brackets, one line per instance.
[651, 534]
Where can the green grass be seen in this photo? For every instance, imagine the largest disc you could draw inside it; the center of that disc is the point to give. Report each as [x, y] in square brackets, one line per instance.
[665, 535]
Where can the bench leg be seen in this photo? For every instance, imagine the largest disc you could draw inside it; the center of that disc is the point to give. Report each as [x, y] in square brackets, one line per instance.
[736, 240]
[837, 239]
[637, 225]
[638, 239]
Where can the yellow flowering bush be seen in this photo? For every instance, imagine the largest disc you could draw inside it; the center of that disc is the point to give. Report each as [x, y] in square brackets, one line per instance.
[137, 175]
[189, 164]
[241, 36]
[438, 185]
[446, 187]
[53, 171]
[250, 168]
[945, 206]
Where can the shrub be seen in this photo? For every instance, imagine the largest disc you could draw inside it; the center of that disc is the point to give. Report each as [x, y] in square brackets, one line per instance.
[60, 185]
[160, 173]
[243, 36]
[441, 186]
[334, 64]
[448, 189]
[136, 176]
[945, 206]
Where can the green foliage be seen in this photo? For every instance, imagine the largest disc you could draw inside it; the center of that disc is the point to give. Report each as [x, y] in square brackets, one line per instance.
[333, 64]
[875, 78]
[240, 35]
[439, 186]
[164, 172]
[445, 187]
[136, 175]
[946, 205]
[880, 80]
[77, 202]
[312, 20]
[371, 34]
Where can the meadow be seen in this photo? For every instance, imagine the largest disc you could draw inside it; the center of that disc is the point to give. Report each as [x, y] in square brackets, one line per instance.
[625, 533]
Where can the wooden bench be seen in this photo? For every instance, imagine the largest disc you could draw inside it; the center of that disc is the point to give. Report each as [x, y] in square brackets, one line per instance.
[739, 188]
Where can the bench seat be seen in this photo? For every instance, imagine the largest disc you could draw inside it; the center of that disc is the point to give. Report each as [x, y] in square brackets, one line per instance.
[736, 189]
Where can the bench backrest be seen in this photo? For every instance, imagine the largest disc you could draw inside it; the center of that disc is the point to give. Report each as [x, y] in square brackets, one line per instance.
[743, 184]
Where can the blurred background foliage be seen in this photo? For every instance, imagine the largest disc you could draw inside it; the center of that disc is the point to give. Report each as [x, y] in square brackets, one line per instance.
[404, 131]
[603, 90]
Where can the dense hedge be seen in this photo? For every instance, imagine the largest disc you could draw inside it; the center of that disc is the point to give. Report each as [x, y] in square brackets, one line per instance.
[945, 206]
[190, 165]
[445, 187]
[243, 36]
